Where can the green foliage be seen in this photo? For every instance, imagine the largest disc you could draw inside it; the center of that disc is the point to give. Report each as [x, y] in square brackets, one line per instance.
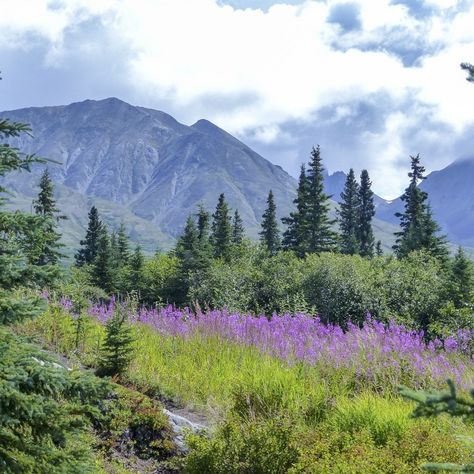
[260, 447]
[102, 266]
[309, 229]
[366, 214]
[462, 289]
[434, 403]
[117, 347]
[132, 423]
[419, 230]
[44, 410]
[270, 235]
[88, 252]
[238, 231]
[321, 237]
[343, 288]
[221, 237]
[296, 234]
[160, 279]
[45, 206]
[349, 211]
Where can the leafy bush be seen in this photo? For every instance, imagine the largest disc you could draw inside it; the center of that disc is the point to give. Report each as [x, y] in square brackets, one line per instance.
[259, 446]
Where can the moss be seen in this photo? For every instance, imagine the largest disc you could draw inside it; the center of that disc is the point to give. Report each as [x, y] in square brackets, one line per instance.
[134, 426]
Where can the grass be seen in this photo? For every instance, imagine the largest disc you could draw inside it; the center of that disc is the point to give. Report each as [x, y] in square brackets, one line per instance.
[302, 418]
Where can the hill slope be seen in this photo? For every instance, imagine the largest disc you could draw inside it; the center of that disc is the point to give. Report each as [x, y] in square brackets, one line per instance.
[147, 163]
[451, 194]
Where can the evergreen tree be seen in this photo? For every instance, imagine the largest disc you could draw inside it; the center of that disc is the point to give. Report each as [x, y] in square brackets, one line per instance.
[321, 237]
[87, 254]
[102, 271]
[204, 244]
[221, 237]
[418, 229]
[462, 279]
[123, 245]
[117, 348]
[114, 255]
[136, 263]
[187, 247]
[42, 408]
[366, 214]
[269, 235]
[42, 247]
[435, 243]
[238, 230]
[349, 216]
[378, 249]
[295, 237]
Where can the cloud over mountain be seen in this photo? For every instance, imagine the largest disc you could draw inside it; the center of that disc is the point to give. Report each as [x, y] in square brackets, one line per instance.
[371, 81]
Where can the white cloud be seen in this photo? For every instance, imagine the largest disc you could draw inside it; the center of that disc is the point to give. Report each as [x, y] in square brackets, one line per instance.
[186, 50]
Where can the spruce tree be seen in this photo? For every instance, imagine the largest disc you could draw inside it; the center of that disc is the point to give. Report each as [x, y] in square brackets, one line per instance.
[295, 237]
[378, 249]
[43, 408]
[321, 237]
[221, 236]
[349, 216]
[187, 248]
[238, 230]
[136, 263]
[366, 214]
[462, 279]
[123, 245]
[116, 351]
[86, 255]
[204, 243]
[42, 244]
[114, 255]
[419, 231]
[102, 271]
[269, 235]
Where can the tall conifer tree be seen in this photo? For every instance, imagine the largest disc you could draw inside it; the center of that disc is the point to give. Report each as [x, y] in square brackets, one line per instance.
[86, 255]
[462, 281]
[418, 228]
[221, 236]
[204, 243]
[269, 235]
[366, 214]
[102, 265]
[321, 237]
[46, 242]
[295, 237]
[137, 261]
[123, 245]
[378, 248]
[187, 247]
[349, 216]
[238, 230]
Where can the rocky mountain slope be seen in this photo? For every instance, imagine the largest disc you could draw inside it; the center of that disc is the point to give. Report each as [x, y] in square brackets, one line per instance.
[451, 194]
[143, 162]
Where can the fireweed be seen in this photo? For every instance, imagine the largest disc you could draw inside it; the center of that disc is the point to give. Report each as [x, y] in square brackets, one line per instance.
[374, 352]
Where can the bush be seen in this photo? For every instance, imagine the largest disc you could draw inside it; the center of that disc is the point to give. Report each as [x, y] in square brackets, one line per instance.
[265, 446]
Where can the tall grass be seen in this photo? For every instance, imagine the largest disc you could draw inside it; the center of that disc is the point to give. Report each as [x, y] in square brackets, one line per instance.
[307, 416]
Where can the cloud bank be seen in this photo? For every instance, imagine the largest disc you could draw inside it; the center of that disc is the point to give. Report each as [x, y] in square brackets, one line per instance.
[372, 82]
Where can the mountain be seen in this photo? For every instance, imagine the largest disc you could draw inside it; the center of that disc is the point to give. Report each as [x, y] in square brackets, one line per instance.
[144, 168]
[144, 163]
[451, 195]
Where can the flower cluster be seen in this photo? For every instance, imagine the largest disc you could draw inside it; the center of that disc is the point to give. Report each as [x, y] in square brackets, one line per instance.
[373, 352]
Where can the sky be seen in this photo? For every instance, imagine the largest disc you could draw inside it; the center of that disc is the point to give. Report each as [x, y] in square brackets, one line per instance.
[371, 81]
